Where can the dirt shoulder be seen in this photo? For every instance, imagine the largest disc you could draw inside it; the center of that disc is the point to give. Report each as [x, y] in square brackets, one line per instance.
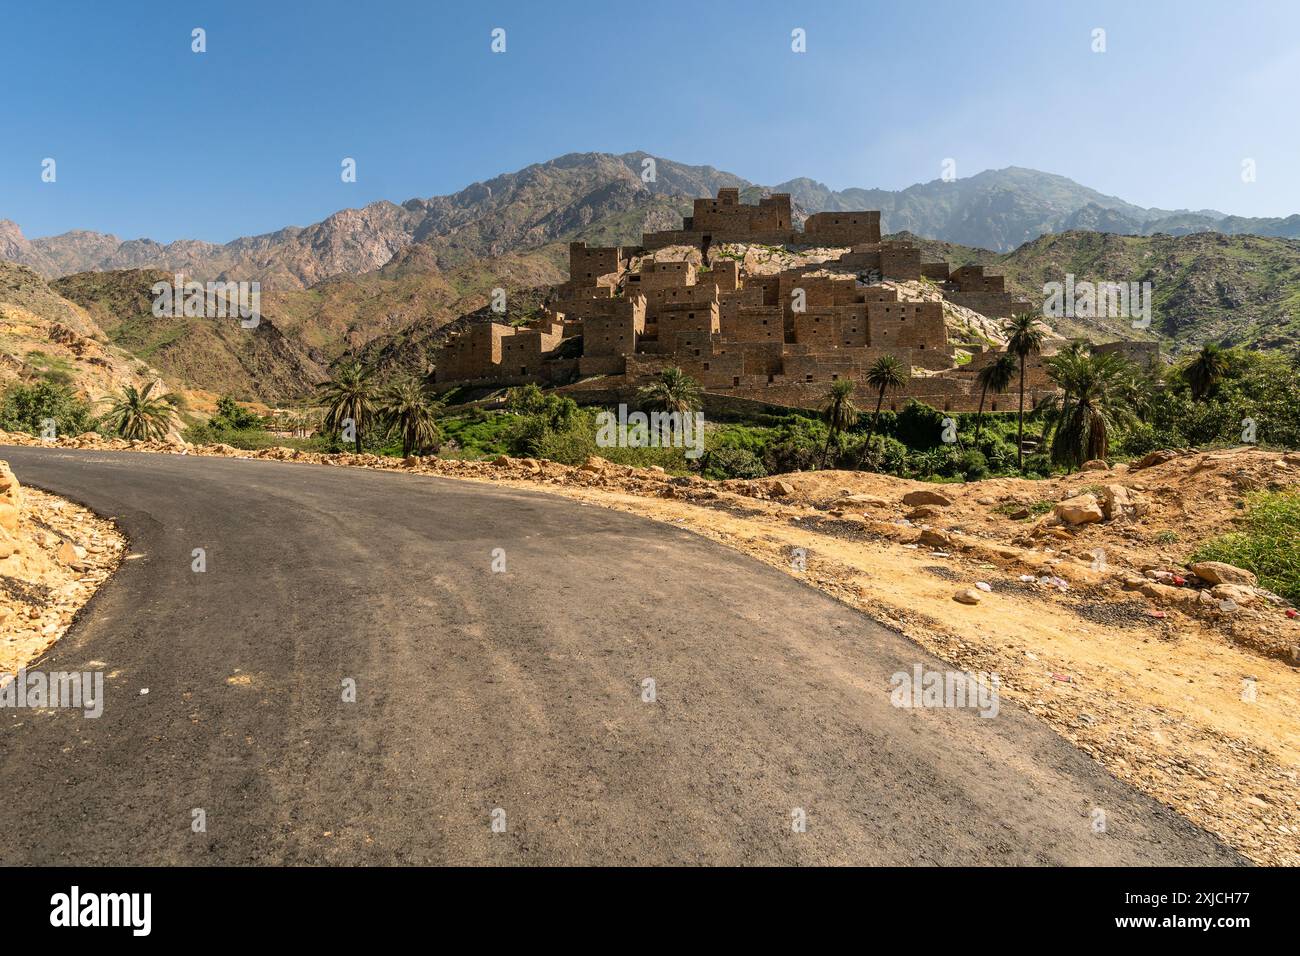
[1193, 699]
[53, 556]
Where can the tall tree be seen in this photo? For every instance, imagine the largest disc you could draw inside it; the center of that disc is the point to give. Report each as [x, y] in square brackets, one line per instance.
[1090, 406]
[839, 412]
[1207, 370]
[886, 373]
[139, 414]
[411, 411]
[349, 395]
[996, 378]
[1025, 336]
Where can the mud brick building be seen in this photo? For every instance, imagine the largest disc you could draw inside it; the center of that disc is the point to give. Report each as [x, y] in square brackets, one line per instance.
[779, 337]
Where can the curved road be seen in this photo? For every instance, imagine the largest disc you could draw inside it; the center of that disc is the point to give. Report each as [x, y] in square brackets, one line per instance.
[519, 690]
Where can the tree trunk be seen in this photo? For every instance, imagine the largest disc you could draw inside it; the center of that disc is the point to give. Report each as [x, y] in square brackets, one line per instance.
[1020, 428]
[979, 418]
[871, 432]
[830, 433]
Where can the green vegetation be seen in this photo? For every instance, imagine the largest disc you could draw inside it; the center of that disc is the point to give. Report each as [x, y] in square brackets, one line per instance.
[1025, 336]
[140, 415]
[349, 399]
[26, 408]
[1036, 510]
[1268, 542]
[840, 413]
[410, 412]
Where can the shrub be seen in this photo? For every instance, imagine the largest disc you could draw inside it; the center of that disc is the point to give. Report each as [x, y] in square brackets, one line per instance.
[25, 408]
[886, 455]
[1267, 543]
[971, 465]
[721, 463]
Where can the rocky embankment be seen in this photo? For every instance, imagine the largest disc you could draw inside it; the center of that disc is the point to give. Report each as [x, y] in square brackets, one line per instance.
[53, 555]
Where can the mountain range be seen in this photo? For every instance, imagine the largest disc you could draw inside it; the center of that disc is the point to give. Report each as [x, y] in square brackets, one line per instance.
[388, 281]
[996, 209]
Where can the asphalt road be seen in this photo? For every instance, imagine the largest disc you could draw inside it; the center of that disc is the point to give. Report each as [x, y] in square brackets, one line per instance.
[520, 691]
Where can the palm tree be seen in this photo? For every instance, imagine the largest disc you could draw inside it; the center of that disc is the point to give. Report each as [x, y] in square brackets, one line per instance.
[1204, 373]
[411, 411]
[885, 373]
[675, 391]
[1091, 404]
[138, 414]
[350, 394]
[1024, 338]
[994, 377]
[839, 412]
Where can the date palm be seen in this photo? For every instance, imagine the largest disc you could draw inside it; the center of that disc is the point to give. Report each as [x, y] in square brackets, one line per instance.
[675, 391]
[1025, 336]
[349, 396]
[1090, 406]
[839, 413]
[139, 414]
[886, 373]
[411, 411]
[1206, 371]
[996, 378]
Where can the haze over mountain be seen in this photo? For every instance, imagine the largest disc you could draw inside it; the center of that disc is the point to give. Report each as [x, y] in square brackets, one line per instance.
[545, 202]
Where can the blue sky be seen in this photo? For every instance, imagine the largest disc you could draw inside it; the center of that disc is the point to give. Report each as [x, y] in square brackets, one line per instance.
[154, 140]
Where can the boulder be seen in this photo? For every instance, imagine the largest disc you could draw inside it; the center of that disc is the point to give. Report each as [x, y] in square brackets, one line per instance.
[780, 489]
[924, 512]
[1096, 464]
[1216, 572]
[1119, 502]
[860, 501]
[593, 464]
[968, 596]
[1155, 458]
[1235, 593]
[1081, 509]
[936, 539]
[503, 461]
[927, 498]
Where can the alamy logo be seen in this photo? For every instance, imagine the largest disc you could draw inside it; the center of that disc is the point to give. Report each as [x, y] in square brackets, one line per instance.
[213, 300]
[1097, 300]
[134, 910]
[656, 430]
[923, 688]
[82, 690]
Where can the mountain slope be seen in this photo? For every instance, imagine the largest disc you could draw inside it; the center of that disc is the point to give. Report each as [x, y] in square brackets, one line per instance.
[1205, 287]
[215, 355]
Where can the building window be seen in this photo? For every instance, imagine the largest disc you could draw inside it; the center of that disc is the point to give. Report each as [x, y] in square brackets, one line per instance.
[706, 364]
[735, 380]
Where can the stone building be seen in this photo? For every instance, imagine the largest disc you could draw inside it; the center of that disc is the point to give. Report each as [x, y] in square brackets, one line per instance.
[777, 338]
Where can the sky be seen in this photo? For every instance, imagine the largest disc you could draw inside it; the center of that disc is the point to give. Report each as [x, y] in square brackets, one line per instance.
[151, 139]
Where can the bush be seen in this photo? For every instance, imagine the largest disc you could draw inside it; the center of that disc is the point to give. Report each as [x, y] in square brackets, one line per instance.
[1038, 465]
[886, 455]
[1268, 543]
[721, 463]
[919, 426]
[24, 408]
[971, 465]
